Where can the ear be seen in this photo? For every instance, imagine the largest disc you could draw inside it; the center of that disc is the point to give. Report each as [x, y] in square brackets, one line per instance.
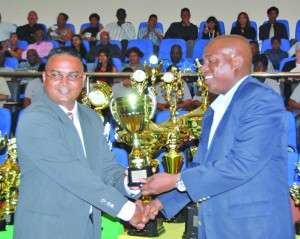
[237, 62]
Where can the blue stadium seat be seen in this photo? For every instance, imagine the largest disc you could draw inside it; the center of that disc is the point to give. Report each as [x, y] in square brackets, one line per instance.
[54, 43]
[5, 127]
[166, 45]
[85, 25]
[86, 44]
[22, 44]
[297, 31]
[202, 26]
[145, 45]
[285, 60]
[116, 61]
[11, 62]
[286, 23]
[70, 25]
[199, 48]
[121, 156]
[266, 44]
[158, 25]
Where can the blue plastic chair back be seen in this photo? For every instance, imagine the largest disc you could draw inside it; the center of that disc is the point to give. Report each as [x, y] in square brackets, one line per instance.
[266, 44]
[11, 62]
[22, 44]
[286, 23]
[297, 31]
[202, 26]
[54, 43]
[121, 156]
[158, 25]
[86, 44]
[70, 25]
[285, 60]
[86, 25]
[292, 131]
[5, 122]
[145, 45]
[166, 45]
[199, 48]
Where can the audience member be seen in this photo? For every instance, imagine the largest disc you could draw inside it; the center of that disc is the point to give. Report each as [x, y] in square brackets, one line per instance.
[260, 64]
[243, 27]
[104, 64]
[255, 51]
[90, 33]
[121, 30]
[60, 33]
[6, 29]
[10, 48]
[77, 44]
[184, 65]
[115, 51]
[134, 55]
[272, 27]
[122, 89]
[4, 91]
[212, 28]
[152, 33]
[34, 89]
[276, 54]
[184, 30]
[42, 47]
[27, 32]
[4, 68]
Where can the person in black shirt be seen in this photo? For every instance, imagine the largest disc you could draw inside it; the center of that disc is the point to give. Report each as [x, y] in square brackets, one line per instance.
[243, 27]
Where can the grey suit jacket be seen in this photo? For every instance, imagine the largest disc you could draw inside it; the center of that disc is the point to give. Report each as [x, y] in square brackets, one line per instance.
[58, 182]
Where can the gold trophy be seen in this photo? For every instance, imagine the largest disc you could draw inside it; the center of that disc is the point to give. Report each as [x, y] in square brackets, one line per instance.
[133, 113]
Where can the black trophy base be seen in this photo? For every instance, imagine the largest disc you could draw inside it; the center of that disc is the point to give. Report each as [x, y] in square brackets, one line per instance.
[191, 223]
[154, 228]
[297, 228]
[135, 174]
[2, 225]
[10, 218]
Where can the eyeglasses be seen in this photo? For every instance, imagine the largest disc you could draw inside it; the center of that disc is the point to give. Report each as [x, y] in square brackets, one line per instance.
[73, 77]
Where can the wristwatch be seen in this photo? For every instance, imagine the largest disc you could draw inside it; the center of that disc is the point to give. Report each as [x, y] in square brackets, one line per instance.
[180, 184]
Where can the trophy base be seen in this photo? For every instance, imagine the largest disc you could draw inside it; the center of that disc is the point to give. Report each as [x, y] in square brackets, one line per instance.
[9, 218]
[191, 223]
[2, 225]
[154, 228]
[135, 174]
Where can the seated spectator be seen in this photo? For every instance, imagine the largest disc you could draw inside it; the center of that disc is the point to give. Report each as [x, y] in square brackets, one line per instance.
[243, 27]
[184, 30]
[4, 68]
[152, 33]
[122, 89]
[184, 65]
[260, 64]
[255, 51]
[42, 47]
[272, 28]
[121, 30]
[115, 51]
[10, 48]
[183, 102]
[77, 43]
[134, 54]
[35, 88]
[90, 33]
[27, 32]
[4, 92]
[6, 29]
[60, 33]
[104, 64]
[276, 54]
[212, 28]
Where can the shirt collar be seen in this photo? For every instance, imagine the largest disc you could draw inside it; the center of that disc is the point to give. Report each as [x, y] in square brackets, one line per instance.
[74, 111]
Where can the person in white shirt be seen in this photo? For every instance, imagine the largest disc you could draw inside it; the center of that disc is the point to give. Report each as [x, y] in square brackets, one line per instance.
[6, 29]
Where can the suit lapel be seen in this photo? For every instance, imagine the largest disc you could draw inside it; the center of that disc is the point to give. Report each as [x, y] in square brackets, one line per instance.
[207, 122]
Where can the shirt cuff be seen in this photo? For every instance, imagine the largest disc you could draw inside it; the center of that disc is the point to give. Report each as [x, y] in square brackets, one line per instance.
[128, 190]
[127, 211]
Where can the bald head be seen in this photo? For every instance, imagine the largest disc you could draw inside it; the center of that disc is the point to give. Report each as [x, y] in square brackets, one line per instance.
[227, 59]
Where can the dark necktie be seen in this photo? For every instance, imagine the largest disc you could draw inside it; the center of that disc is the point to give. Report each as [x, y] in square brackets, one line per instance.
[71, 116]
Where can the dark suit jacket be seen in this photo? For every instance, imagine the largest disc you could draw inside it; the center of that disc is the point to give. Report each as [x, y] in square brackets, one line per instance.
[279, 31]
[244, 172]
[58, 182]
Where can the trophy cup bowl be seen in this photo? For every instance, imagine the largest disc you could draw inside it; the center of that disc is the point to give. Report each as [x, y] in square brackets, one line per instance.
[133, 114]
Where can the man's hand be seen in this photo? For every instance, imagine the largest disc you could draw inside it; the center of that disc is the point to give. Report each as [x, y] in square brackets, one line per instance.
[140, 216]
[159, 183]
[155, 207]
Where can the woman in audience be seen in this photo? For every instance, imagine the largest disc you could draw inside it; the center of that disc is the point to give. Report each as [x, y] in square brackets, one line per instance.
[212, 28]
[104, 64]
[77, 43]
[134, 55]
[90, 33]
[10, 48]
[243, 27]
[60, 33]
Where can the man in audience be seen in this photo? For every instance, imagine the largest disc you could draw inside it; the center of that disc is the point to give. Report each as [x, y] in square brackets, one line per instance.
[255, 51]
[42, 47]
[4, 91]
[121, 30]
[123, 88]
[114, 50]
[6, 29]
[276, 54]
[184, 30]
[272, 27]
[26, 32]
[4, 68]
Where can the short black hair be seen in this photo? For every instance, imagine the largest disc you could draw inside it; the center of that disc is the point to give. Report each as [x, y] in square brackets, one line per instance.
[185, 10]
[273, 39]
[65, 16]
[260, 59]
[135, 50]
[176, 45]
[94, 15]
[70, 51]
[41, 67]
[151, 16]
[273, 9]
[254, 42]
[127, 69]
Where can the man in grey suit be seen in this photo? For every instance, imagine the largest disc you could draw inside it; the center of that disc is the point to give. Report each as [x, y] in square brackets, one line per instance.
[68, 174]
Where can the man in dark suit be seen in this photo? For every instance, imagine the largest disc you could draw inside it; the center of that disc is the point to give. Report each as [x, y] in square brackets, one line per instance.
[240, 168]
[68, 173]
[272, 28]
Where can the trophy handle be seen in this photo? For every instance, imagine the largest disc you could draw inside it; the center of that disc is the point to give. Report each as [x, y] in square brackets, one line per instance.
[113, 110]
[151, 94]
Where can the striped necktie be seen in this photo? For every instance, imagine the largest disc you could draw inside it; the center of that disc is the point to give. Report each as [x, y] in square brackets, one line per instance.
[271, 34]
[71, 116]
